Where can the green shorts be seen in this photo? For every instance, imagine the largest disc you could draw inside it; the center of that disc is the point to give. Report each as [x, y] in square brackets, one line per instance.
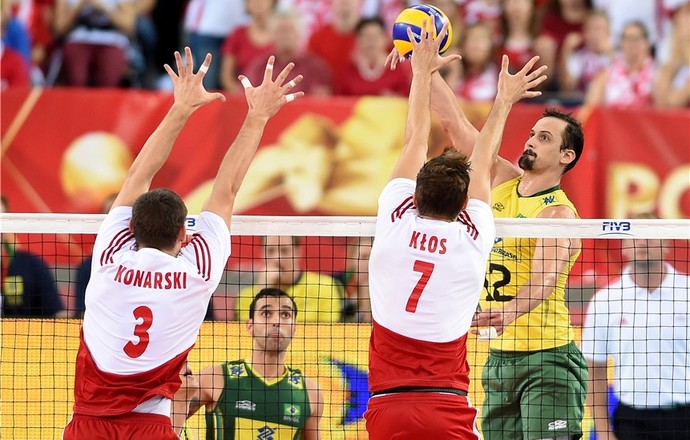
[534, 395]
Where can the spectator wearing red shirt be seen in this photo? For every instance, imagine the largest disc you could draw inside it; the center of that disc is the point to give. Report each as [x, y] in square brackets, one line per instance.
[288, 47]
[584, 55]
[518, 22]
[454, 13]
[95, 39]
[14, 70]
[479, 74]
[561, 18]
[335, 42]
[672, 83]
[246, 44]
[629, 79]
[366, 74]
[481, 11]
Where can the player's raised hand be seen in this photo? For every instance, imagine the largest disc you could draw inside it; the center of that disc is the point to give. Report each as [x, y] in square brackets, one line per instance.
[425, 55]
[189, 90]
[393, 59]
[516, 87]
[268, 97]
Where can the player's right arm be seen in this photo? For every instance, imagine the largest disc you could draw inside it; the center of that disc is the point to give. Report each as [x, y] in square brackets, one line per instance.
[425, 61]
[463, 135]
[264, 101]
[210, 386]
[446, 108]
[511, 89]
[190, 95]
[444, 105]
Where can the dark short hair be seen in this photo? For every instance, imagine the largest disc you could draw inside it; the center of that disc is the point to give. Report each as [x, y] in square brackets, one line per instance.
[573, 138]
[442, 185]
[271, 292]
[378, 21]
[157, 218]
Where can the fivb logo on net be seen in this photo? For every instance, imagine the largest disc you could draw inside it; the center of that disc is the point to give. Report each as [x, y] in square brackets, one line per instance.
[617, 228]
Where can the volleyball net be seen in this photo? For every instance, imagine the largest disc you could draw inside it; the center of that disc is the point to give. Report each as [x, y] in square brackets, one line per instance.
[324, 261]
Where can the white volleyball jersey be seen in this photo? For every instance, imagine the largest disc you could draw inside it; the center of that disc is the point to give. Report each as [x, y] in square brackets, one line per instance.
[148, 292]
[425, 276]
[144, 308]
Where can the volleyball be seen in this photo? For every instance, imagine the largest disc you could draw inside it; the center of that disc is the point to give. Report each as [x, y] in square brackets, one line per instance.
[413, 18]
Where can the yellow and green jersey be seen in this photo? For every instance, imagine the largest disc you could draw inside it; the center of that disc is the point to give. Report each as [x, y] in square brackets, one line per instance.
[510, 267]
[251, 408]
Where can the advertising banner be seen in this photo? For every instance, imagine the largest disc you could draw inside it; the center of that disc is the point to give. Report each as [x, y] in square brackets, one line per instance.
[67, 150]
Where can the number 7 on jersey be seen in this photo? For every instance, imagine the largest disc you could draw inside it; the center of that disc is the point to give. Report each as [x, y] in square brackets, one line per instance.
[425, 268]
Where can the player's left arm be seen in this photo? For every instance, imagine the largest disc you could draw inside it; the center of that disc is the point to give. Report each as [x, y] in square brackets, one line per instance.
[550, 260]
[312, 429]
[189, 391]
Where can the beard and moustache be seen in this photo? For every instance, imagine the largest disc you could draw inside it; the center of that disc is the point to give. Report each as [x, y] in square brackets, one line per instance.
[526, 161]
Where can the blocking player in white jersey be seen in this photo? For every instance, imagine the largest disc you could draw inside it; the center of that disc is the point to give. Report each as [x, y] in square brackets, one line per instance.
[434, 232]
[147, 295]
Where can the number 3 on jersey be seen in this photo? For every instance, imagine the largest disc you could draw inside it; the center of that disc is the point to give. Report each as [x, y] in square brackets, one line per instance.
[425, 268]
[142, 331]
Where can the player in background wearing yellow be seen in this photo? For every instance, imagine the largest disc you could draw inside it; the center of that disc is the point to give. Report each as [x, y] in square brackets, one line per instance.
[535, 377]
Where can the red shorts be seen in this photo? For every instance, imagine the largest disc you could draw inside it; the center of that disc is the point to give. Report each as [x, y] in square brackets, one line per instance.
[126, 426]
[421, 415]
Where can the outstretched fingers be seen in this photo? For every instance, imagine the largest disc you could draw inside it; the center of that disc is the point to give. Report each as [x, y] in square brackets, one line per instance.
[268, 73]
[245, 82]
[537, 72]
[426, 27]
[442, 34]
[527, 67]
[411, 37]
[171, 72]
[392, 59]
[292, 96]
[205, 65]
[282, 76]
[505, 63]
[450, 58]
[533, 80]
[179, 64]
[292, 83]
[189, 61]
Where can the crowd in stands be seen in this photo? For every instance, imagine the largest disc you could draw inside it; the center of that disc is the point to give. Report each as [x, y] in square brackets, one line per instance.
[598, 51]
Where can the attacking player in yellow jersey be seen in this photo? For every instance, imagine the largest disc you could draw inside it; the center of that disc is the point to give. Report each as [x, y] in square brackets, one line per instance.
[535, 376]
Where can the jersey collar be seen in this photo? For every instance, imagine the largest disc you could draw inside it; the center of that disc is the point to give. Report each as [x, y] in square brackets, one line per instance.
[537, 194]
